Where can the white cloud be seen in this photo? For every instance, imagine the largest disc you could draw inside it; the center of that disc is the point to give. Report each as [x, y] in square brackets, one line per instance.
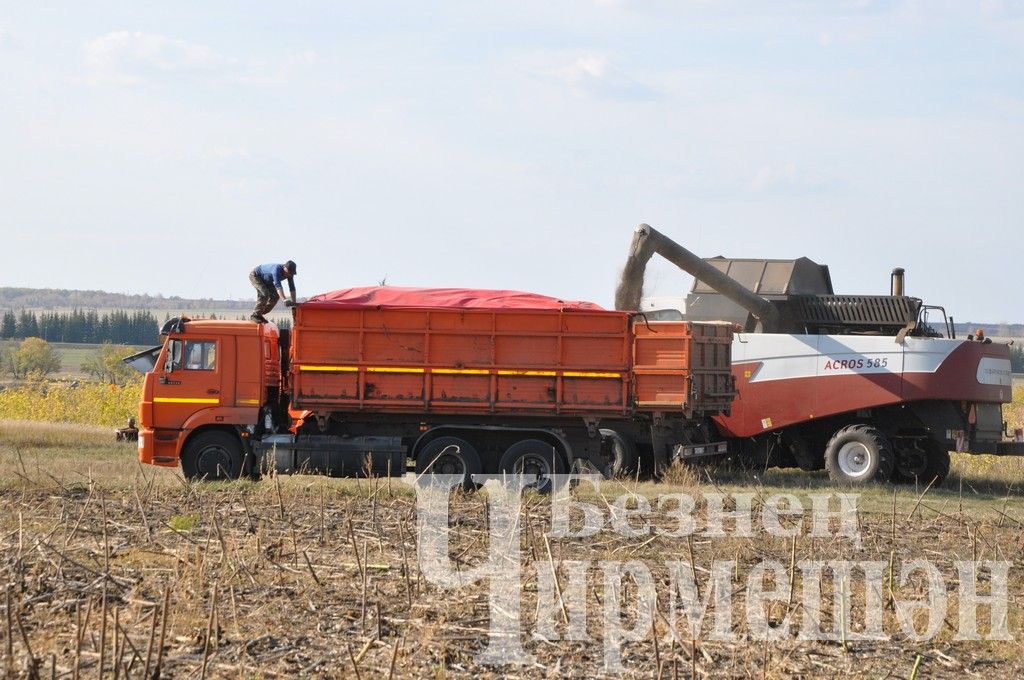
[595, 74]
[133, 57]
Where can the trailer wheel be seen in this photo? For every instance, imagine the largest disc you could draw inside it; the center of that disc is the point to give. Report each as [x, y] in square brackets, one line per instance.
[619, 454]
[859, 454]
[533, 457]
[928, 461]
[450, 456]
[212, 455]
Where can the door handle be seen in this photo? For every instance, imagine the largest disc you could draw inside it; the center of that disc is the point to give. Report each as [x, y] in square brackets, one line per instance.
[212, 391]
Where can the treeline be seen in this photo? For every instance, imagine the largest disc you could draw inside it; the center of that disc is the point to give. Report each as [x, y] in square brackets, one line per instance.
[119, 327]
[50, 298]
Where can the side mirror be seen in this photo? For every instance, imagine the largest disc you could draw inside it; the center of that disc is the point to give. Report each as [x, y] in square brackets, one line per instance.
[173, 355]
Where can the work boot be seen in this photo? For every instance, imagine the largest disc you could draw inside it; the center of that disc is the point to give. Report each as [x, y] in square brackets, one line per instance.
[258, 318]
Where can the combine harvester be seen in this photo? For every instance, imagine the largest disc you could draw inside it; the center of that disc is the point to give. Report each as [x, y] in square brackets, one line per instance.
[870, 387]
[448, 380]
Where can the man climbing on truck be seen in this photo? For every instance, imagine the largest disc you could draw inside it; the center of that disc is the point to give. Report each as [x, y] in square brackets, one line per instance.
[267, 280]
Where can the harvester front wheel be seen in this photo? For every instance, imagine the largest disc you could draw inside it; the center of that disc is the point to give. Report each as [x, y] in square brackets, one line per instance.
[213, 455]
[859, 454]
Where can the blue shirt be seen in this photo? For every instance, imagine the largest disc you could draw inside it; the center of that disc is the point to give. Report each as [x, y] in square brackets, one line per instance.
[274, 275]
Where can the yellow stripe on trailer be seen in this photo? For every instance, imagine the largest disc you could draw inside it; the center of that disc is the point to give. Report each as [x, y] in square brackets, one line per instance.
[461, 371]
[253, 402]
[342, 369]
[184, 400]
[393, 369]
[458, 371]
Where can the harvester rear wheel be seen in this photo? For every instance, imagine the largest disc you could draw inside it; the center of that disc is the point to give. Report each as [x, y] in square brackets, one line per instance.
[804, 455]
[213, 455]
[859, 454]
[450, 456]
[927, 461]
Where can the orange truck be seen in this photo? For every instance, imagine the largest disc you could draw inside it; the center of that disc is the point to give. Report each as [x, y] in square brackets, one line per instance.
[456, 381]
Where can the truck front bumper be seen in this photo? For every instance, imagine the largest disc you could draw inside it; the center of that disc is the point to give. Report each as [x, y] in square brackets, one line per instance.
[158, 450]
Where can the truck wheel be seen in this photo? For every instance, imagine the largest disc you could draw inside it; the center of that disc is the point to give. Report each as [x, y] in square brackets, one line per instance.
[533, 457]
[450, 456]
[211, 455]
[858, 454]
[618, 453]
[922, 464]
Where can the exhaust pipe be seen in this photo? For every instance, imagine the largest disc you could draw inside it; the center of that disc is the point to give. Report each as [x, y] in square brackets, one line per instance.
[896, 282]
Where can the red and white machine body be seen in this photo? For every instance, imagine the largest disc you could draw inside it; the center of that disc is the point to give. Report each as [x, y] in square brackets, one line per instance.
[784, 380]
[863, 385]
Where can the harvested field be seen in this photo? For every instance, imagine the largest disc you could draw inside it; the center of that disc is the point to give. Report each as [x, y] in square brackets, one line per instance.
[111, 568]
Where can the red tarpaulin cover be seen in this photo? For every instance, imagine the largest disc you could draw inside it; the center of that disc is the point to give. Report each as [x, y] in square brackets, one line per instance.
[452, 298]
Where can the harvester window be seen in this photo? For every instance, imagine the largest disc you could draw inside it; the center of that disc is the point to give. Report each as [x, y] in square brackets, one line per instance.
[200, 356]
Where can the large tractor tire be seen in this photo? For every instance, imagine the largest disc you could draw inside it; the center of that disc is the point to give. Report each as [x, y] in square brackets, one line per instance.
[859, 454]
[213, 455]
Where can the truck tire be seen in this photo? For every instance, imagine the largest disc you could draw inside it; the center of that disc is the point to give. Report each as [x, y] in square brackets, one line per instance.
[619, 454]
[450, 456]
[931, 462]
[213, 455]
[533, 457]
[859, 454]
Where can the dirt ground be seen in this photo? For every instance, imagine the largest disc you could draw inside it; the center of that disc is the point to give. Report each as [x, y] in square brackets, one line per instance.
[113, 569]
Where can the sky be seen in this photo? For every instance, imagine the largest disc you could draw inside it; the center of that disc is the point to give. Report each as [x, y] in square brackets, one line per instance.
[170, 147]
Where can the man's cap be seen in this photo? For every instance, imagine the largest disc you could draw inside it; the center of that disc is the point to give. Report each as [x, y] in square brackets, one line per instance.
[291, 267]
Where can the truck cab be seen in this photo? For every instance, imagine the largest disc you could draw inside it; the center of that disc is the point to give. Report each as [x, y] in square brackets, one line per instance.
[203, 398]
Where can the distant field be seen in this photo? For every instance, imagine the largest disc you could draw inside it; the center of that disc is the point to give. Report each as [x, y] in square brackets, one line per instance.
[72, 356]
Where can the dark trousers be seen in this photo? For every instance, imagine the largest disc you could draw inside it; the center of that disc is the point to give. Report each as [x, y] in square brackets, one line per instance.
[266, 296]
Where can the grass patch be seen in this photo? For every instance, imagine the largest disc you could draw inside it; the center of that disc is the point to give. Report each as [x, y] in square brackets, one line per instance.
[184, 522]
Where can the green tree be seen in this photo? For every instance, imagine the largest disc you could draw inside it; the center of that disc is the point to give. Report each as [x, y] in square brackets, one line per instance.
[106, 364]
[28, 327]
[34, 357]
[1017, 358]
[9, 325]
